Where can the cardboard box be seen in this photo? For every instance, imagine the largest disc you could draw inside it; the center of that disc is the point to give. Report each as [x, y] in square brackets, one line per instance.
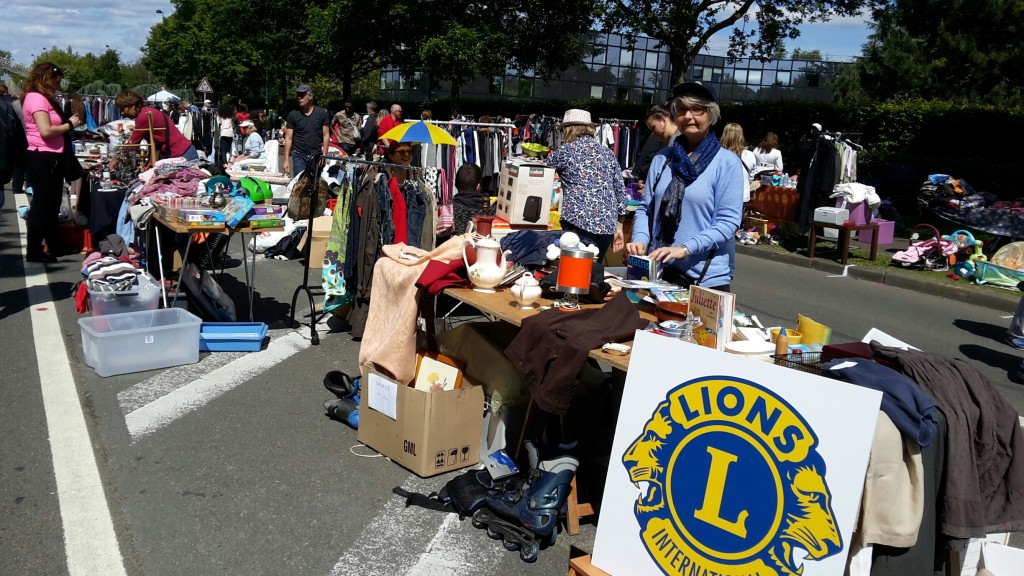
[429, 433]
[524, 192]
[318, 247]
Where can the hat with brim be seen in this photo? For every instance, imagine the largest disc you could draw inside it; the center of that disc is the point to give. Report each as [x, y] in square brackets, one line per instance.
[576, 117]
[695, 90]
[302, 89]
[246, 124]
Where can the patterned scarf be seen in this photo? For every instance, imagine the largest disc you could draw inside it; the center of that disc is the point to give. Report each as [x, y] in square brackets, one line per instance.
[685, 169]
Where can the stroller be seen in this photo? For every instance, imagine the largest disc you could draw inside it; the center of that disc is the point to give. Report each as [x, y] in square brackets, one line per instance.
[932, 254]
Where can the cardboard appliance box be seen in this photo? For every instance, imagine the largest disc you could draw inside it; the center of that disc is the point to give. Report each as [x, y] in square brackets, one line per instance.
[831, 215]
[427, 432]
[524, 192]
[318, 247]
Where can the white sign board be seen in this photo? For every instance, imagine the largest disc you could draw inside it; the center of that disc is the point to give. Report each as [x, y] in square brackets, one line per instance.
[727, 465]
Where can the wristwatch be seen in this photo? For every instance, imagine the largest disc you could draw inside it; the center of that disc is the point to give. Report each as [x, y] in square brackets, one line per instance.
[686, 253]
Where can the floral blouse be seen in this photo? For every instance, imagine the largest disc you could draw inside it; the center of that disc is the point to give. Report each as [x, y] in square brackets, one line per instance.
[593, 194]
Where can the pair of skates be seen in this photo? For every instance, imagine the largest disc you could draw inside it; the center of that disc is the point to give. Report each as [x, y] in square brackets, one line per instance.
[524, 512]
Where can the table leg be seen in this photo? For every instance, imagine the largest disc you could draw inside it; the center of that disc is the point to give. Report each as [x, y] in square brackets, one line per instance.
[159, 260]
[812, 241]
[844, 245]
[252, 286]
[874, 243]
[181, 272]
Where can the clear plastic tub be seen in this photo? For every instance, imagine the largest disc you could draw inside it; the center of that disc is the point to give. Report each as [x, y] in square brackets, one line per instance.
[145, 296]
[139, 341]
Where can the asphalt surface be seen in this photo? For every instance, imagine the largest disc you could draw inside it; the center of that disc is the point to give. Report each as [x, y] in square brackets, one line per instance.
[230, 466]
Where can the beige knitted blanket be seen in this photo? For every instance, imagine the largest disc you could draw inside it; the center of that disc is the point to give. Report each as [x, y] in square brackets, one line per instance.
[390, 337]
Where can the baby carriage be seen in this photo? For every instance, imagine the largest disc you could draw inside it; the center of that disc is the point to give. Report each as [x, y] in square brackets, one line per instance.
[931, 254]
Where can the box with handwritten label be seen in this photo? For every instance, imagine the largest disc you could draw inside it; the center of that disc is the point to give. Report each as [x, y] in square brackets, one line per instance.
[427, 432]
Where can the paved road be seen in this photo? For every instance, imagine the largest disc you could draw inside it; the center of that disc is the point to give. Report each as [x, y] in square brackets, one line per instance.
[229, 466]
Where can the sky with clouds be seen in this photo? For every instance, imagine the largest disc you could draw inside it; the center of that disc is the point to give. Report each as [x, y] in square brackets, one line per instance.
[31, 26]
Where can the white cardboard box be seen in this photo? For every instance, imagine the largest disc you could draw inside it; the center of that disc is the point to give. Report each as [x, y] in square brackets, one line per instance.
[524, 192]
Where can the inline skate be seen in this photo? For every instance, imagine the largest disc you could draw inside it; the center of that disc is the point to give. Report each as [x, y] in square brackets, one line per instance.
[525, 515]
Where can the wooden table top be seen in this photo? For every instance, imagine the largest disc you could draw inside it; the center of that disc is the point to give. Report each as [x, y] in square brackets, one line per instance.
[502, 305]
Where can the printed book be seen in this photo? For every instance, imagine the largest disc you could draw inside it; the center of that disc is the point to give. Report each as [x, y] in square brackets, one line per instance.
[715, 310]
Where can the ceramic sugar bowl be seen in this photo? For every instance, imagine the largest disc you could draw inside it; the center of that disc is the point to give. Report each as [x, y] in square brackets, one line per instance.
[526, 291]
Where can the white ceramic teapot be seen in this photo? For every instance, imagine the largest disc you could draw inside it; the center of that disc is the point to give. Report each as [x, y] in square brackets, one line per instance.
[526, 291]
[489, 268]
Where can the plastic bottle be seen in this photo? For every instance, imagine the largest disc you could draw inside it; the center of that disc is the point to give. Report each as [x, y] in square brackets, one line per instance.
[781, 345]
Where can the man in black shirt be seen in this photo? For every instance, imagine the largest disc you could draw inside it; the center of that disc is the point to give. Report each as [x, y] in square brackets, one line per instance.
[305, 130]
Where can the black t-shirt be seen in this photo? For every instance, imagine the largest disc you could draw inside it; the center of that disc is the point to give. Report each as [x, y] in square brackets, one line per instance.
[307, 131]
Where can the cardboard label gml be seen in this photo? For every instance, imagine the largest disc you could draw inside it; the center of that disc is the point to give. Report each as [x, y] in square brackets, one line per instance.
[426, 432]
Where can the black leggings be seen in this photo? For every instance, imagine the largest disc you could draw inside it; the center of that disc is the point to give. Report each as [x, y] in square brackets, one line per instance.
[225, 149]
[46, 171]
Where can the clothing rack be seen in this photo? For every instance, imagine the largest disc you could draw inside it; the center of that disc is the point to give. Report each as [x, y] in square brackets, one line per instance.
[509, 127]
[352, 160]
[319, 160]
[617, 121]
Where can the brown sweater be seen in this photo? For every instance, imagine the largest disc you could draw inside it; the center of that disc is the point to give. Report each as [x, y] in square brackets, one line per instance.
[552, 346]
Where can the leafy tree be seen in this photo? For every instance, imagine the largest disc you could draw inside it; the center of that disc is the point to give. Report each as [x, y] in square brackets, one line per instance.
[78, 70]
[812, 55]
[457, 41]
[108, 67]
[685, 26]
[946, 48]
[348, 41]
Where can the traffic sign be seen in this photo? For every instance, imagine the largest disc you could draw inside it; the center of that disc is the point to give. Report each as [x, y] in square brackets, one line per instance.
[204, 86]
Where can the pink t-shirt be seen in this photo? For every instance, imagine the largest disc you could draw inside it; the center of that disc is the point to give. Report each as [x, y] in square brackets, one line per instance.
[36, 102]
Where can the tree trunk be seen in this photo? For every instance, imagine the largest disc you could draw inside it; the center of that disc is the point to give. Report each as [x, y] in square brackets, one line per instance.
[346, 83]
[680, 61]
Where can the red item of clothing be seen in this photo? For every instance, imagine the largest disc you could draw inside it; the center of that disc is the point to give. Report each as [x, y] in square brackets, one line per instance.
[439, 275]
[386, 124]
[398, 211]
[179, 144]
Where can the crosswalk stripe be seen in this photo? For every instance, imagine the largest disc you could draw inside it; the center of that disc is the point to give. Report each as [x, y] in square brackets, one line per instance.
[89, 537]
[179, 402]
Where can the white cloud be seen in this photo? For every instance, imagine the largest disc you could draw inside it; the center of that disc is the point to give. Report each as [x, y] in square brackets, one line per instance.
[31, 26]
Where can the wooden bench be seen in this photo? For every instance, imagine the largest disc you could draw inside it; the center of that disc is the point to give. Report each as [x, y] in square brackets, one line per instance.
[844, 238]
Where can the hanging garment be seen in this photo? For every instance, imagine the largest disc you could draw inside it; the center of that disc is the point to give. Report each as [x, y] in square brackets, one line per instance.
[332, 275]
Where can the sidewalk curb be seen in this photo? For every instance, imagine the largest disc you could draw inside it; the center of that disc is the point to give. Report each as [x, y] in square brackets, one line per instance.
[965, 293]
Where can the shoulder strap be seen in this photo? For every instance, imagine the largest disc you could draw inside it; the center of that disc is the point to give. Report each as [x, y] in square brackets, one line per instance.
[429, 502]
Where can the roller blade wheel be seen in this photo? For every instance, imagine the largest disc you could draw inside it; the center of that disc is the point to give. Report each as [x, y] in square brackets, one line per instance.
[513, 536]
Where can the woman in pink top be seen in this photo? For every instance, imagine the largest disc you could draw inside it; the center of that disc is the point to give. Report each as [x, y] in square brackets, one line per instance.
[45, 161]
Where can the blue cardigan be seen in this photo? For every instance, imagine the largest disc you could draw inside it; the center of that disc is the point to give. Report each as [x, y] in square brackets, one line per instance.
[712, 208]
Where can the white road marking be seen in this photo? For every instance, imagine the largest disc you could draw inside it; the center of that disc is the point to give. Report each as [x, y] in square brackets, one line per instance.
[1022, 421]
[181, 401]
[449, 547]
[89, 537]
[171, 379]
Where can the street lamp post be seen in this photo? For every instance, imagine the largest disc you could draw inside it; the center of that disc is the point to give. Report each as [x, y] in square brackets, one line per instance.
[160, 12]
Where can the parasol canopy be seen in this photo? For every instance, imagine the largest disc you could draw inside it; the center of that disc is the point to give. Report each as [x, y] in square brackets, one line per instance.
[419, 131]
[163, 96]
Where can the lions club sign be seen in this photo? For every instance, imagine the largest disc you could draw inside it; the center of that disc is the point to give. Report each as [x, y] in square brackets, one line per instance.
[722, 474]
[731, 482]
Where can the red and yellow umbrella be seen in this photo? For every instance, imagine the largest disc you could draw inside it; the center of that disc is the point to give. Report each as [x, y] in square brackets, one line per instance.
[419, 131]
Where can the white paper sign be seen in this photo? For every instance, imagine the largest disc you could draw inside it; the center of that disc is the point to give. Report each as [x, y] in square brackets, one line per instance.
[383, 396]
[727, 465]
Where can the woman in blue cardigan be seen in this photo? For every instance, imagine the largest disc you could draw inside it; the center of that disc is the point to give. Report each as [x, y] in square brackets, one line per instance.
[693, 199]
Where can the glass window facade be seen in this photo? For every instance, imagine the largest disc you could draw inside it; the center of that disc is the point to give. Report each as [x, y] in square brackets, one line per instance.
[640, 73]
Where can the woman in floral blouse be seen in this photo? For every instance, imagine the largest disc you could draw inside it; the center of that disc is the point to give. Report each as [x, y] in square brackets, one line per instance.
[593, 194]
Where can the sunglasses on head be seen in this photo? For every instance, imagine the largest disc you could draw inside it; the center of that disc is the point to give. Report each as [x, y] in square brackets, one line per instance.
[58, 72]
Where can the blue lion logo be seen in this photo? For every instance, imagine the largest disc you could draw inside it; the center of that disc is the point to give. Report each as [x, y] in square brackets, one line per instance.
[730, 482]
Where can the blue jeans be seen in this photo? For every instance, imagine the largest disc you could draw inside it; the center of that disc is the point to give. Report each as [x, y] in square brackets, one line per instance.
[416, 211]
[298, 162]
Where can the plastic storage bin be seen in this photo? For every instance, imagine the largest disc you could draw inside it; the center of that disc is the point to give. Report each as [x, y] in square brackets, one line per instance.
[231, 336]
[145, 296]
[886, 228]
[138, 341]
